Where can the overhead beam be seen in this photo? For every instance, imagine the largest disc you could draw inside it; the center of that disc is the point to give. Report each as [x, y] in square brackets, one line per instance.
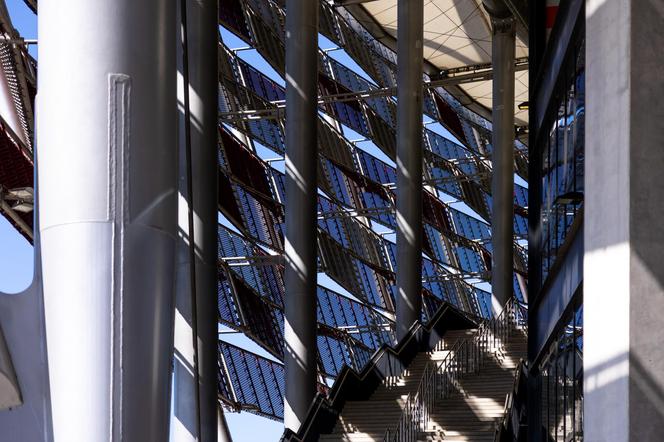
[455, 76]
[519, 9]
[16, 218]
[376, 30]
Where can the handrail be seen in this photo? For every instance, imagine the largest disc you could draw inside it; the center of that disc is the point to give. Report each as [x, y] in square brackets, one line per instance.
[509, 402]
[385, 362]
[441, 378]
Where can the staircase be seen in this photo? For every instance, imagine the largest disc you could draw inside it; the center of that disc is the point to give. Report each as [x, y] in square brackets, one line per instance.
[456, 392]
[367, 420]
[477, 407]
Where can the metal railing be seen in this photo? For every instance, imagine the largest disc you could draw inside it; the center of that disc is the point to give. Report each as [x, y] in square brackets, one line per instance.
[510, 422]
[441, 378]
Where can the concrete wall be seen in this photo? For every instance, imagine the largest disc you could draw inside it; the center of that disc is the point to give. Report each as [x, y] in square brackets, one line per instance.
[624, 244]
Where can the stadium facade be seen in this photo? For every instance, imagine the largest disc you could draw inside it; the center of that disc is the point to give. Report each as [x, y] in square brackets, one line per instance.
[398, 201]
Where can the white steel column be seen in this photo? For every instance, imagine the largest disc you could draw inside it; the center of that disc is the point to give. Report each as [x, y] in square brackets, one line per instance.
[107, 180]
[300, 353]
[410, 60]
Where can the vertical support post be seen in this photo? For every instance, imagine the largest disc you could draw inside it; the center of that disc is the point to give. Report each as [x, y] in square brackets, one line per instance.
[107, 180]
[223, 432]
[536, 45]
[301, 202]
[502, 210]
[410, 61]
[623, 287]
[197, 243]
[203, 41]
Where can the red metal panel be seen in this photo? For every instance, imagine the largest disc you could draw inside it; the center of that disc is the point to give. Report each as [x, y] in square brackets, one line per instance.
[450, 119]
[16, 170]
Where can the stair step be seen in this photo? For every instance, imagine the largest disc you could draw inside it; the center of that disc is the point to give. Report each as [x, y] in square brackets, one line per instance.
[465, 428]
[351, 437]
[454, 433]
[470, 410]
[487, 435]
[468, 415]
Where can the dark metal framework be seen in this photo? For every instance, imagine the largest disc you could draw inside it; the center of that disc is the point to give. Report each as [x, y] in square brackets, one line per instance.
[559, 383]
[556, 175]
[356, 200]
[16, 154]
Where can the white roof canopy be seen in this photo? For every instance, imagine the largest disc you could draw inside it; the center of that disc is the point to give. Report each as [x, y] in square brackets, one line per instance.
[457, 33]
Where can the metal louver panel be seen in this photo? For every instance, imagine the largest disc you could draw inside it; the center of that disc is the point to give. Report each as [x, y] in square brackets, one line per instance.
[249, 381]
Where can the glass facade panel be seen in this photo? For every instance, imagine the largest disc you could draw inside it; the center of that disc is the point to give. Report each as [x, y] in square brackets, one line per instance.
[560, 383]
[562, 165]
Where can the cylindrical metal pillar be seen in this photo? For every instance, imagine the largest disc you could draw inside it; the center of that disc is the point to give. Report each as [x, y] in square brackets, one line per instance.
[301, 197]
[409, 163]
[197, 182]
[502, 211]
[107, 201]
[203, 41]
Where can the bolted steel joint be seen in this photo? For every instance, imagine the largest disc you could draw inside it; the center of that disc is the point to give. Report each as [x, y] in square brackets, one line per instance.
[503, 25]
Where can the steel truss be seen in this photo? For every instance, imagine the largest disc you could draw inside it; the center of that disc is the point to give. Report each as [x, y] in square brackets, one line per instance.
[460, 75]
